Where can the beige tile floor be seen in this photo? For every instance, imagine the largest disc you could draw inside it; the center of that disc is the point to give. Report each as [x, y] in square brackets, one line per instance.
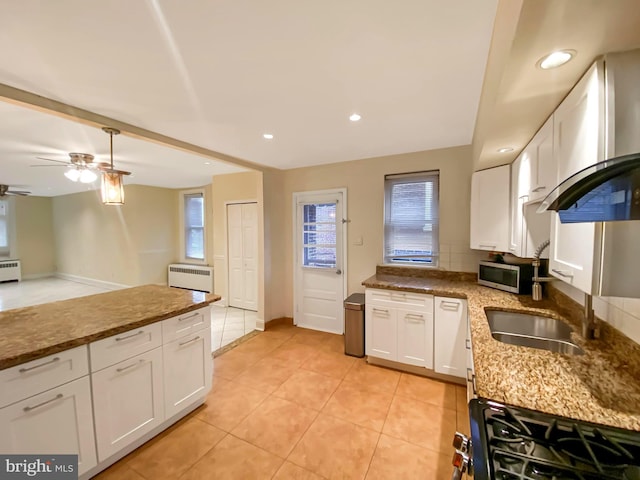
[288, 404]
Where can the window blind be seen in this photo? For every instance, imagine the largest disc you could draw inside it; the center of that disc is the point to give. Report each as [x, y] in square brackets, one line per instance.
[4, 228]
[194, 226]
[411, 218]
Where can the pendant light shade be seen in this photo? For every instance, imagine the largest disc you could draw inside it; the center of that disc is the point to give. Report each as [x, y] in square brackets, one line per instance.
[112, 188]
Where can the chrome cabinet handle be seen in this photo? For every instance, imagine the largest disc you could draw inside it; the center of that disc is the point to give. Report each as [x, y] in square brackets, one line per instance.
[181, 319]
[415, 317]
[483, 245]
[539, 189]
[563, 273]
[46, 402]
[189, 341]
[446, 305]
[28, 369]
[471, 378]
[381, 310]
[120, 339]
[122, 369]
[467, 344]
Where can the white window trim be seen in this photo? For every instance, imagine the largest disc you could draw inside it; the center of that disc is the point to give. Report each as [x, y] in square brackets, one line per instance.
[436, 264]
[183, 258]
[11, 231]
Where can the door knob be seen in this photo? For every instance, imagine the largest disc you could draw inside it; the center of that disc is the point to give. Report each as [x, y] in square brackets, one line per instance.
[338, 272]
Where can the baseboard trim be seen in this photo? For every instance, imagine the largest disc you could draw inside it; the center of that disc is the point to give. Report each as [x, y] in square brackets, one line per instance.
[91, 281]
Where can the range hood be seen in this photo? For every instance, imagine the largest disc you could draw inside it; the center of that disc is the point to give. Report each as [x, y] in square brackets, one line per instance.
[605, 192]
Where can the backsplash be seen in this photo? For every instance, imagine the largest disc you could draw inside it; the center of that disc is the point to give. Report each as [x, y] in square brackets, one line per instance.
[621, 313]
[459, 258]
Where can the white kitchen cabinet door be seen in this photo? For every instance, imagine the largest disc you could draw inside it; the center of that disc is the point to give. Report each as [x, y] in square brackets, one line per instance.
[188, 367]
[58, 421]
[542, 163]
[127, 401]
[242, 242]
[381, 332]
[415, 338]
[450, 334]
[490, 191]
[578, 143]
[519, 189]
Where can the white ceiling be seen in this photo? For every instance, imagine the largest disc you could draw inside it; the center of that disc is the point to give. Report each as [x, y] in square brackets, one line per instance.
[219, 74]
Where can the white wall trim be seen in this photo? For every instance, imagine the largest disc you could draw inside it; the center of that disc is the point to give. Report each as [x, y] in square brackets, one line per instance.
[91, 281]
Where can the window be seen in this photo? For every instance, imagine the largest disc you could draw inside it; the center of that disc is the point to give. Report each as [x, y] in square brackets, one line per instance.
[319, 235]
[4, 228]
[411, 218]
[194, 226]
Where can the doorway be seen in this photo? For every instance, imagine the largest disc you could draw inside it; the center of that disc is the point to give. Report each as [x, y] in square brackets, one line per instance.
[320, 259]
[242, 245]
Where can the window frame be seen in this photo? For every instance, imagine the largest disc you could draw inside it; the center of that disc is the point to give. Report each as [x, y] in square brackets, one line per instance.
[5, 252]
[433, 176]
[184, 194]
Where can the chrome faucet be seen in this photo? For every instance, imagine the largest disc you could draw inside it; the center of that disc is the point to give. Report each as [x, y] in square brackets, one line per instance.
[536, 291]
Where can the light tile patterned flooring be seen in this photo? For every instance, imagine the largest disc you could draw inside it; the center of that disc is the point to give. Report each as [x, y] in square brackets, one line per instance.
[288, 404]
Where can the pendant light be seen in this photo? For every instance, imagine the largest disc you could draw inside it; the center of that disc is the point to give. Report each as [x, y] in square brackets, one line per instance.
[112, 179]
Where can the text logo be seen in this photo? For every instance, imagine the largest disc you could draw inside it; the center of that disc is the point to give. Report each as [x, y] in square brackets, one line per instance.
[40, 467]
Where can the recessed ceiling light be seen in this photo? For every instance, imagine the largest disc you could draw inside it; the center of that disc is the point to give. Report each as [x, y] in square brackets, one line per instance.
[354, 117]
[505, 150]
[207, 163]
[268, 136]
[556, 59]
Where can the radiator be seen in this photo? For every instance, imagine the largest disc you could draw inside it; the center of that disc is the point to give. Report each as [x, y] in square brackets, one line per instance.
[192, 277]
[10, 270]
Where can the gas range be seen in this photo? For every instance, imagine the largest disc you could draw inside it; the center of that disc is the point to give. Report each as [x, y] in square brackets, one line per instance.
[513, 443]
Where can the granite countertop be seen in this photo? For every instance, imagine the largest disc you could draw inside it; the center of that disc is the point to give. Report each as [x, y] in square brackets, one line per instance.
[33, 332]
[601, 386]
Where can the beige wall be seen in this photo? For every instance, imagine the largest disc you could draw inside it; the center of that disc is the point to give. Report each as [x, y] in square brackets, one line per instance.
[364, 181]
[130, 244]
[235, 187]
[34, 235]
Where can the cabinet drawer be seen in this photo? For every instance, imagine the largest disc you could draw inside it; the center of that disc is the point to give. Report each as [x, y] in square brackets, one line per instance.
[396, 298]
[27, 379]
[186, 324]
[112, 350]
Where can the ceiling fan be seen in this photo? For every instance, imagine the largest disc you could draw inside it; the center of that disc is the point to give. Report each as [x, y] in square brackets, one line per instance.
[81, 166]
[4, 191]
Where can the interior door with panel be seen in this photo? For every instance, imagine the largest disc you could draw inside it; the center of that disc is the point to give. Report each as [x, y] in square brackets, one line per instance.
[319, 261]
[242, 241]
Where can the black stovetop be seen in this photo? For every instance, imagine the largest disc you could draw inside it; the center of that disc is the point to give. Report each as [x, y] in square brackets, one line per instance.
[513, 443]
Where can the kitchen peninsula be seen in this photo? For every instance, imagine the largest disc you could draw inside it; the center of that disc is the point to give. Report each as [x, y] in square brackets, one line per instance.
[129, 362]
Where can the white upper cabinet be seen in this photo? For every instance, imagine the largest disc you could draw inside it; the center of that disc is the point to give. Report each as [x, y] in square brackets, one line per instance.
[490, 209]
[519, 196]
[541, 162]
[578, 143]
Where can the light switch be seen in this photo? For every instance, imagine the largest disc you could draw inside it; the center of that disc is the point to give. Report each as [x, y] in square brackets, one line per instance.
[358, 241]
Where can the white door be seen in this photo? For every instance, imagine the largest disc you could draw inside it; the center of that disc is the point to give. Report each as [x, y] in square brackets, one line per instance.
[319, 260]
[57, 421]
[188, 368]
[127, 401]
[242, 233]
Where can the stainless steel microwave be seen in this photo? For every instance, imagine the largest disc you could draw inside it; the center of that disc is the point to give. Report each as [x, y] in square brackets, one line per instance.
[507, 277]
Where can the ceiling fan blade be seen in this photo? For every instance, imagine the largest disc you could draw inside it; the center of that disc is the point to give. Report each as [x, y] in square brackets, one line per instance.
[22, 194]
[52, 160]
[66, 165]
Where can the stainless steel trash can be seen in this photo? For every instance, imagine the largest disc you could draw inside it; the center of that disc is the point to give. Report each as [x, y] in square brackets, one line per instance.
[354, 325]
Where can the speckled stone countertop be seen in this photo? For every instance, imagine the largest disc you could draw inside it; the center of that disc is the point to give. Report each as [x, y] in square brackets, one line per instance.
[601, 386]
[33, 332]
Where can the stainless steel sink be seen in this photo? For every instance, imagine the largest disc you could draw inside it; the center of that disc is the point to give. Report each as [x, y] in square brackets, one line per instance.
[533, 331]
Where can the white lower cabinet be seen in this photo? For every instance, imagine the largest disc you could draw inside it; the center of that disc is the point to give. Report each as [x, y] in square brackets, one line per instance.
[128, 401]
[415, 337]
[188, 368]
[58, 421]
[450, 332]
[381, 332]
